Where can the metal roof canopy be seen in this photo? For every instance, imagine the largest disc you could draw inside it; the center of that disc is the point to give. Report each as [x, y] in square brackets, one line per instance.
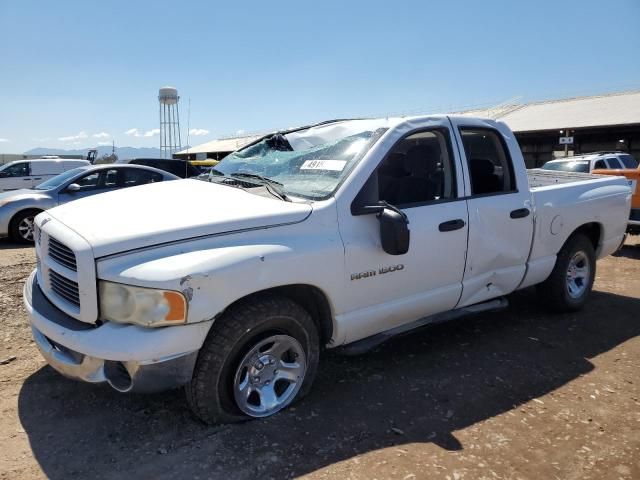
[613, 109]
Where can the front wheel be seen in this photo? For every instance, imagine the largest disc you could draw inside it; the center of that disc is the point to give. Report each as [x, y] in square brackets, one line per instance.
[571, 280]
[258, 358]
[22, 227]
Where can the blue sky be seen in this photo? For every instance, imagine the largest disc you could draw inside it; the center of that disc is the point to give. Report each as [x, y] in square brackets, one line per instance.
[75, 73]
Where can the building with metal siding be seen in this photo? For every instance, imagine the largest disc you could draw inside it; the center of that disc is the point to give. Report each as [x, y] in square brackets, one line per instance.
[596, 123]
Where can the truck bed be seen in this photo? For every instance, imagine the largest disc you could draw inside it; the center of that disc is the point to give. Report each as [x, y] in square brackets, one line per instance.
[543, 178]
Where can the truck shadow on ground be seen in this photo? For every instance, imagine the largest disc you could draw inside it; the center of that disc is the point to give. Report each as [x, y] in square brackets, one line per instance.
[630, 251]
[422, 387]
[7, 244]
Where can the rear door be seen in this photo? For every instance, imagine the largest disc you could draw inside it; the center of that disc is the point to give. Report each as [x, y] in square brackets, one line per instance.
[500, 210]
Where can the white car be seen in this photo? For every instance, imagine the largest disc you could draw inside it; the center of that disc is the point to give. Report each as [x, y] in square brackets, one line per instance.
[29, 173]
[593, 161]
[339, 234]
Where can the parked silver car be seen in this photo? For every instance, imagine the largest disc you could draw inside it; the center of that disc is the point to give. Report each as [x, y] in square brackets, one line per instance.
[19, 207]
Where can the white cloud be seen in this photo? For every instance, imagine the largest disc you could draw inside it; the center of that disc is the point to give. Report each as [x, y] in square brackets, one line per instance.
[4, 140]
[133, 132]
[136, 132]
[101, 135]
[198, 132]
[102, 144]
[73, 138]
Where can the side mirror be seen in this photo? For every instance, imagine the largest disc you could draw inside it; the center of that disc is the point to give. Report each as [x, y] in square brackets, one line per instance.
[394, 232]
[73, 187]
[3, 174]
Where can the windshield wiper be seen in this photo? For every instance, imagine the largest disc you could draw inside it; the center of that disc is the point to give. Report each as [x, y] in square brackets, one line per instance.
[267, 182]
[255, 176]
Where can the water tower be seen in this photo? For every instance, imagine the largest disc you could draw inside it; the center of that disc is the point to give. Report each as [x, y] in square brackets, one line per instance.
[170, 140]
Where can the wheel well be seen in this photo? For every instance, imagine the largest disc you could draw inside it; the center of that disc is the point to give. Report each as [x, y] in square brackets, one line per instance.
[12, 222]
[13, 219]
[592, 231]
[312, 299]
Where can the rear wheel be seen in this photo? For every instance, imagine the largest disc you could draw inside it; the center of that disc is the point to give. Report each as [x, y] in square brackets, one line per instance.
[258, 358]
[22, 226]
[571, 280]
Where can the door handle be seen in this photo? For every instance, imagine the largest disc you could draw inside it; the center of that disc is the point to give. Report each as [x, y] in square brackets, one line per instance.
[451, 225]
[26, 179]
[38, 178]
[520, 213]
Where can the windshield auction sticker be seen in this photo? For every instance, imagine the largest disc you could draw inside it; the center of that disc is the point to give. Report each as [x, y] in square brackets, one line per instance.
[335, 165]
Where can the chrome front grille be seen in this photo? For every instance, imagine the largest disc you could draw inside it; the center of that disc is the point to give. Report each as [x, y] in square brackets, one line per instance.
[66, 270]
[64, 288]
[62, 254]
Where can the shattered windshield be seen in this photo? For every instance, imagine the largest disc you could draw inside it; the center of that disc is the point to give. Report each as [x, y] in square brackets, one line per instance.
[308, 163]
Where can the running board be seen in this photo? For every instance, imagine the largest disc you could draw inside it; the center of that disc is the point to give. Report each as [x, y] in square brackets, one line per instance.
[367, 344]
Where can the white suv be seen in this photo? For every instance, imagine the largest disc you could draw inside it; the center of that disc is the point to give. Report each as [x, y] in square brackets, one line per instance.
[592, 161]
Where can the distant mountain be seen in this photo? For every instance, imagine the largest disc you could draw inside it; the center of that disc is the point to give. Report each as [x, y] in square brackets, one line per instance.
[122, 152]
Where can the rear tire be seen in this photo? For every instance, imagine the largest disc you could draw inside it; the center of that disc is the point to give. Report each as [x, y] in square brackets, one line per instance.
[571, 281]
[21, 228]
[262, 332]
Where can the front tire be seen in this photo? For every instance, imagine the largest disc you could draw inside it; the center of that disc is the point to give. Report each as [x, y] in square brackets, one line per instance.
[571, 281]
[21, 228]
[258, 358]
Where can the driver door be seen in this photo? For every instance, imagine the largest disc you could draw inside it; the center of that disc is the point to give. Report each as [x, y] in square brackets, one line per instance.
[419, 175]
[91, 184]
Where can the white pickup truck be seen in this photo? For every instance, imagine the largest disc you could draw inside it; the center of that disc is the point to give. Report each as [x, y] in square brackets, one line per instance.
[345, 232]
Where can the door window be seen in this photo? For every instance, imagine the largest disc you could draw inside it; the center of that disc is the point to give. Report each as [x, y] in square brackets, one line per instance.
[134, 176]
[17, 170]
[490, 165]
[88, 182]
[614, 163]
[418, 170]
[600, 164]
[110, 179]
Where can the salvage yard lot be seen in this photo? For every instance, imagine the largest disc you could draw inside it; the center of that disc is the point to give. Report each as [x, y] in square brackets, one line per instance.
[518, 394]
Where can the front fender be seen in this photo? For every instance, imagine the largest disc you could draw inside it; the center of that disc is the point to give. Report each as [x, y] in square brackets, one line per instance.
[212, 279]
[9, 210]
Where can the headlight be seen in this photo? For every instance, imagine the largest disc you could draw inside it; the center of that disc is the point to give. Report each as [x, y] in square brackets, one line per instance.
[143, 306]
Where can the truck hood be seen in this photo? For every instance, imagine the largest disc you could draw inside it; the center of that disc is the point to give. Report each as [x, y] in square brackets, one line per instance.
[163, 212]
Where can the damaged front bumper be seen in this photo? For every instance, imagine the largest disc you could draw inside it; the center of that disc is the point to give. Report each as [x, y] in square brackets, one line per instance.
[129, 358]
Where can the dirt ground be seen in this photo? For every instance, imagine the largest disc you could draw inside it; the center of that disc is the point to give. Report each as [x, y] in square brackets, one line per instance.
[521, 394]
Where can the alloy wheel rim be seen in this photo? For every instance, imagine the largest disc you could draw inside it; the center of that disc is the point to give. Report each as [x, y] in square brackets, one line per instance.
[578, 275]
[269, 376]
[25, 228]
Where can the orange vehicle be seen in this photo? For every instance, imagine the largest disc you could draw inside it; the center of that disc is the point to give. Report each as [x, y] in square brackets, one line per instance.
[633, 176]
